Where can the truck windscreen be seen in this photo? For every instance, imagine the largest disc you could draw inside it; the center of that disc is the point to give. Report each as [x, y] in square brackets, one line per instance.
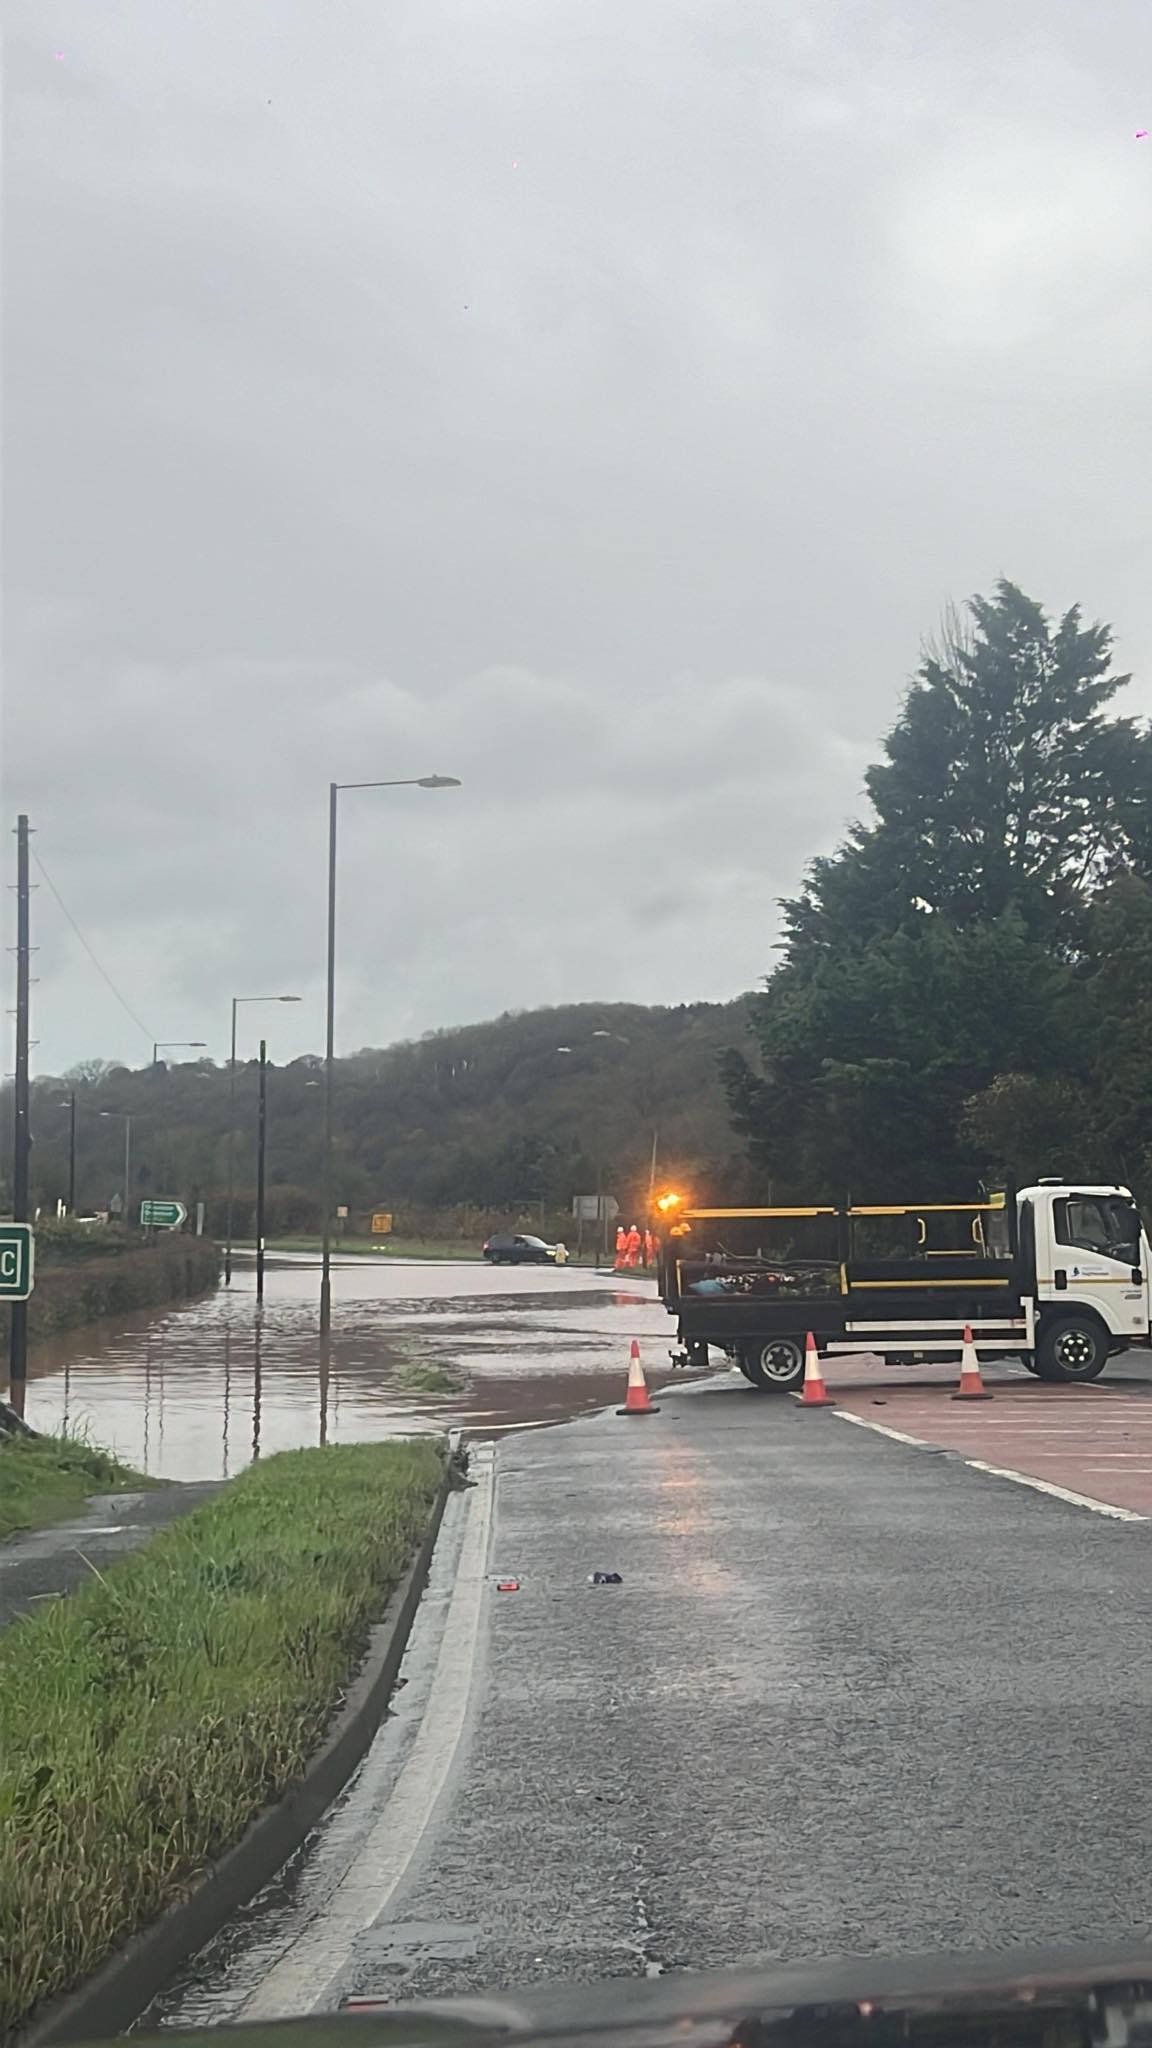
[1108, 1225]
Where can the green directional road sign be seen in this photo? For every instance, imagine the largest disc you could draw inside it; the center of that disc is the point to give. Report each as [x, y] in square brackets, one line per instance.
[17, 1249]
[162, 1215]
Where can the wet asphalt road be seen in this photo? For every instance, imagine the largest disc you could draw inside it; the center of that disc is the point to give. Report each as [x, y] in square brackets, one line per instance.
[47, 1563]
[851, 1697]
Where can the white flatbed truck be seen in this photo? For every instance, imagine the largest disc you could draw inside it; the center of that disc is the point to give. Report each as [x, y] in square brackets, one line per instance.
[1058, 1274]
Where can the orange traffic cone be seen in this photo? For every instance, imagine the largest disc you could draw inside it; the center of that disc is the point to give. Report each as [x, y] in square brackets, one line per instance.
[815, 1393]
[636, 1400]
[971, 1386]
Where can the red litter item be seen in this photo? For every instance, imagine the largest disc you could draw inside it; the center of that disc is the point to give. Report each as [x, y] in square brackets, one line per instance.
[507, 1585]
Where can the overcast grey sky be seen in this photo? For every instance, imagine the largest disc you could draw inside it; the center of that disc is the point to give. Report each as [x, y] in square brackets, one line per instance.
[593, 399]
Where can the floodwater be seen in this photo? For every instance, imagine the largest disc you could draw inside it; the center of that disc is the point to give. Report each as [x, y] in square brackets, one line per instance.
[416, 1345]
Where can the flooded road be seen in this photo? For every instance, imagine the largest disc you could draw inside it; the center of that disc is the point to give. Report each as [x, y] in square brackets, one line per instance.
[199, 1391]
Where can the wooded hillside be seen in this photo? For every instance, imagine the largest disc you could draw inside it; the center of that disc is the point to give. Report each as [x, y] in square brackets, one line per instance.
[513, 1115]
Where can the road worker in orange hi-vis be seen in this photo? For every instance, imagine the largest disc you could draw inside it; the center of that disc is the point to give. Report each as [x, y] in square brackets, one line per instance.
[651, 1249]
[632, 1247]
[621, 1245]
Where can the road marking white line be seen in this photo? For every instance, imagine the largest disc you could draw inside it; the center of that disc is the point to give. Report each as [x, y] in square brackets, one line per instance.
[298, 1981]
[882, 1429]
[1076, 1500]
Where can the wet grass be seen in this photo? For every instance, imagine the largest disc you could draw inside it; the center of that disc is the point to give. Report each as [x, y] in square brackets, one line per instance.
[148, 1718]
[49, 1478]
[427, 1379]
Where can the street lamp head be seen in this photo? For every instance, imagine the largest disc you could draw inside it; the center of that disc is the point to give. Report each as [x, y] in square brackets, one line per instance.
[289, 999]
[438, 782]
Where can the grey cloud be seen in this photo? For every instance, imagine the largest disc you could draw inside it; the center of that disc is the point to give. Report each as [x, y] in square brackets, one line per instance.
[595, 402]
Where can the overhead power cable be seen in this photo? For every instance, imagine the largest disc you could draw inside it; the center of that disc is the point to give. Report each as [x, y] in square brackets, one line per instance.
[101, 971]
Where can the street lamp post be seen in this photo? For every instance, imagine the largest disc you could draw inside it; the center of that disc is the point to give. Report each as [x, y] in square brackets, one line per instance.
[175, 1045]
[601, 1210]
[601, 1217]
[261, 1151]
[127, 1157]
[236, 1001]
[70, 1106]
[334, 789]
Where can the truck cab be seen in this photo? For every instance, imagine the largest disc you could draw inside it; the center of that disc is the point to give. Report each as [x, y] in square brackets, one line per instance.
[1084, 1259]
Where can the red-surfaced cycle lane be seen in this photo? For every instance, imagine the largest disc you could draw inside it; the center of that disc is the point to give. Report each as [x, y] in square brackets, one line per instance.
[1094, 1441]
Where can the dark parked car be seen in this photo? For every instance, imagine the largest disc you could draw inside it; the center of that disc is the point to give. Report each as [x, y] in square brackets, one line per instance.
[519, 1251]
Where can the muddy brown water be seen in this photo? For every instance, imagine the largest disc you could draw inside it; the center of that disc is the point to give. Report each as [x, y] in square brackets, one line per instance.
[416, 1345]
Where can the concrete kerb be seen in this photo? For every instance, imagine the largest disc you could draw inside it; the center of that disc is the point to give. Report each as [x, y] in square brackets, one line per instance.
[124, 1987]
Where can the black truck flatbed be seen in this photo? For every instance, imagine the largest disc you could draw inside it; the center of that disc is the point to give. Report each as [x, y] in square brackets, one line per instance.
[900, 1278]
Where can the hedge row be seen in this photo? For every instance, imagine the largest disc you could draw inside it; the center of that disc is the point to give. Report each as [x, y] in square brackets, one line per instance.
[171, 1269]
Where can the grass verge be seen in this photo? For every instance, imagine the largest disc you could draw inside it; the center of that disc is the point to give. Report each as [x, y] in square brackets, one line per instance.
[116, 1278]
[146, 1720]
[48, 1479]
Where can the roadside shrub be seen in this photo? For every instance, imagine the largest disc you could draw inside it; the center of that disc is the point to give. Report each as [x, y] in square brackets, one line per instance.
[83, 1289]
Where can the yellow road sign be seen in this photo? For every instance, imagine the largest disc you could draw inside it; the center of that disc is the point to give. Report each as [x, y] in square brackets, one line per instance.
[381, 1222]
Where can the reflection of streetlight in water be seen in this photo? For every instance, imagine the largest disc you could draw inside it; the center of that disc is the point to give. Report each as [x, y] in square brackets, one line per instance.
[227, 1389]
[325, 1373]
[257, 1385]
[147, 1396]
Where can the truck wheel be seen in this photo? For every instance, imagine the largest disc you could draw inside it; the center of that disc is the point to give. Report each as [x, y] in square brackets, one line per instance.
[1071, 1348]
[774, 1364]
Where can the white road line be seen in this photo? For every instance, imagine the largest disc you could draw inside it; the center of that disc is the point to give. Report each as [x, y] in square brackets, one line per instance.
[299, 1980]
[1076, 1500]
[882, 1429]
